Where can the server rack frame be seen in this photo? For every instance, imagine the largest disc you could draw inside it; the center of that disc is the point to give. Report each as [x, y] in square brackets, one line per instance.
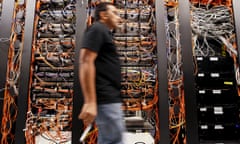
[162, 73]
[77, 127]
[162, 68]
[5, 33]
[188, 72]
[24, 76]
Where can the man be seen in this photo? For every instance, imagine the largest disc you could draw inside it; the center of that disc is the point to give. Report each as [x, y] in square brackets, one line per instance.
[100, 76]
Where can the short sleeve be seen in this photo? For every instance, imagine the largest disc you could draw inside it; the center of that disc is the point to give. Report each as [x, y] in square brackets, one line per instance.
[93, 38]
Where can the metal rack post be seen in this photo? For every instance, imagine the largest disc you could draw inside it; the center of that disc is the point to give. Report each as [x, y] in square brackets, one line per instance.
[77, 125]
[5, 33]
[162, 73]
[188, 73]
[25, 69]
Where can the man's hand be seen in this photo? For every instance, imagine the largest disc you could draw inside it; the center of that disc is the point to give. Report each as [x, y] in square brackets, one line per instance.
[88, 113]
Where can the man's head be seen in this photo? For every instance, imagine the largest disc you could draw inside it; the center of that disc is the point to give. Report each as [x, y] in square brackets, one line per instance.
[107, 13]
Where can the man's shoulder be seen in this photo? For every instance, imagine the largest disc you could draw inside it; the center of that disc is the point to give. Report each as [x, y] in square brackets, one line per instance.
[96, 25]
[100, 26]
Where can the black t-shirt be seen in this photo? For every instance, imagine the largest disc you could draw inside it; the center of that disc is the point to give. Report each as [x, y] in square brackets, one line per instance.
[98, 38]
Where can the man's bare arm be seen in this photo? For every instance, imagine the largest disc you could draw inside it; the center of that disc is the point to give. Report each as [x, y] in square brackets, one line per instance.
[87, 75]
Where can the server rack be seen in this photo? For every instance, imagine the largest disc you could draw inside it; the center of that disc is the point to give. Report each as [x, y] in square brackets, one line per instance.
[49, 50]
[216, 68]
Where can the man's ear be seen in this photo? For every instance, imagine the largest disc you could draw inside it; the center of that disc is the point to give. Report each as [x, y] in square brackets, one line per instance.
[103, 15]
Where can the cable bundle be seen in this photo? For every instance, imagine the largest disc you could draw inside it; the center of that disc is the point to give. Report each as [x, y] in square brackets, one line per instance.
[212, 23]
[11, 94]
[51, 77]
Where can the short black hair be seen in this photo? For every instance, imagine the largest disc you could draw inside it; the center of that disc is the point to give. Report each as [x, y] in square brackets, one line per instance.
[101, 7]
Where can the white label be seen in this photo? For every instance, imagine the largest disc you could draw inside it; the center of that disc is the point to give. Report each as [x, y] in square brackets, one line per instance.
[204, 127]
[216, 91]
[201, 91]
[218, 127]
[218, 110]
[199, 58]
[215, 74]
[213, 59]
[201, 75]
[203, 109]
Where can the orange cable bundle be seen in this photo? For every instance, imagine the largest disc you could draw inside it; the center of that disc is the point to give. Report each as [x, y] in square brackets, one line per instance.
[157, 133]
[10, 107]
[171, 3]
[92, 136]
[212, 2]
